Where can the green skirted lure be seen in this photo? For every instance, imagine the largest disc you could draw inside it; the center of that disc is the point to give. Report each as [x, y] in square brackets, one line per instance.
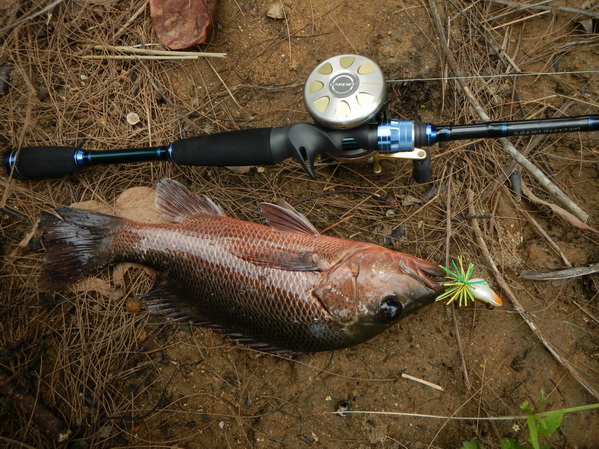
[463, 288]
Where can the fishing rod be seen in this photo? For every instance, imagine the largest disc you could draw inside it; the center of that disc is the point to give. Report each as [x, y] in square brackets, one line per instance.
[345, 95]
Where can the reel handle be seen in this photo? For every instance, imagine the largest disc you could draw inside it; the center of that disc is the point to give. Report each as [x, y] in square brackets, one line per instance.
[421, 171]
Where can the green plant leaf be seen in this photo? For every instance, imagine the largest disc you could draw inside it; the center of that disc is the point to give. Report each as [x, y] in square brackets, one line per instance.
[473, 444]
[542, 400]
[550, 422]
[532, 429]
[526, 407]
[508, 443]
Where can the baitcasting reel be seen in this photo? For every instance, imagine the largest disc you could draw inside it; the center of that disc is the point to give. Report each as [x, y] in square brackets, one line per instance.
[348, 91]
[345, 92]
[346, 97]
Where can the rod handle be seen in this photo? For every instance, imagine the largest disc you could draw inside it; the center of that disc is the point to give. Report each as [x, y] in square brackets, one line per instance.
[233, 148]
[303, 142]
[40, 162]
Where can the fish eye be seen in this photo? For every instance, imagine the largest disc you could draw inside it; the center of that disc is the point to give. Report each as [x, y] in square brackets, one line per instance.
[390, 308]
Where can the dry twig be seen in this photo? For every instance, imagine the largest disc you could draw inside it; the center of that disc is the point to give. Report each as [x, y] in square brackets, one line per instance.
[507, 146]
[148, 53]
[31, 16]
[48, 424]
[518, 305]
[569, 273]
[525, 6]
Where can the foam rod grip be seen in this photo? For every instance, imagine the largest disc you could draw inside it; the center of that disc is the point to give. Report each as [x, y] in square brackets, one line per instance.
[40, 162]
[234, 148]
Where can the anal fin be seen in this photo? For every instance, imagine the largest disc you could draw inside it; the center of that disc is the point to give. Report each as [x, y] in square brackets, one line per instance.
[161, 300]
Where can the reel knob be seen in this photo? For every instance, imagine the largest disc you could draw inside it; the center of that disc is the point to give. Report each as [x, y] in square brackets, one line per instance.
[345, 91]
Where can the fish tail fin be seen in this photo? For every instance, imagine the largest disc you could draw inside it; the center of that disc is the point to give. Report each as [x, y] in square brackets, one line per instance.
[77, 245]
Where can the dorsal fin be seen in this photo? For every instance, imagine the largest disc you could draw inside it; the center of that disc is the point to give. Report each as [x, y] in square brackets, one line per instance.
[284, 218]
[176, 203]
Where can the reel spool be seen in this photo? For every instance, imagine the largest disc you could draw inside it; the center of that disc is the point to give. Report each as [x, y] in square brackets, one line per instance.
[345, 91]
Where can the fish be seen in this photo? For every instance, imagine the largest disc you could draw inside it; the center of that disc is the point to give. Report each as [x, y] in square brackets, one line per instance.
[279, 287]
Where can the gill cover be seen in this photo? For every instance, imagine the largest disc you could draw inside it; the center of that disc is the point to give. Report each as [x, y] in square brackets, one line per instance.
[338, 291]
[374, 284]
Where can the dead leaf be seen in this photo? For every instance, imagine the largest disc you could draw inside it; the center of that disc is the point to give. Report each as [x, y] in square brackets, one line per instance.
[565, 215]
[590, 26]
[568, 273]
[119, 271]
[241, 170]
[8, 4]
[137, 203]
[133, 305]
[98, 285]
[182, 23]
[94, 206]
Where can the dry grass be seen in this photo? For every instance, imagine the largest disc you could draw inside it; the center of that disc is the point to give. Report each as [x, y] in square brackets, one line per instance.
[120, 380]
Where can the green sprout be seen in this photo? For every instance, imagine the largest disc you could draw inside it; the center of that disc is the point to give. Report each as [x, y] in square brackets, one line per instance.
[460, 284]
[540, 425]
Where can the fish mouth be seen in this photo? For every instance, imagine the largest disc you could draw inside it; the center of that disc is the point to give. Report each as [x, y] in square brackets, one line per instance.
[423, 271]
[430, 289]
[431, 281]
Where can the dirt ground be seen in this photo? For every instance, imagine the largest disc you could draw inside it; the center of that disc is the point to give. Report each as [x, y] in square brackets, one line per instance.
[120, 378]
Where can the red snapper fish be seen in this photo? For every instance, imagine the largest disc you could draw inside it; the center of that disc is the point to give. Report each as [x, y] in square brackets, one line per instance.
[280, 287]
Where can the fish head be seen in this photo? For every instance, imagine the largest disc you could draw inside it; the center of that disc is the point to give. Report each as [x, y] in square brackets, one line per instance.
[373, 288]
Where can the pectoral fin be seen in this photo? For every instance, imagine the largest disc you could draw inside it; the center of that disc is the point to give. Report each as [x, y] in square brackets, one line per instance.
[279, 258]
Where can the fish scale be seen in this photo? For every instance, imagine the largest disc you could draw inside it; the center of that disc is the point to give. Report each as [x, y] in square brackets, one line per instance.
[280, 287]
[232, 288]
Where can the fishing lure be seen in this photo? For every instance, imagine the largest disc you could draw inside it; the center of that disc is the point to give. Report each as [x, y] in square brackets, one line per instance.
[463, 288]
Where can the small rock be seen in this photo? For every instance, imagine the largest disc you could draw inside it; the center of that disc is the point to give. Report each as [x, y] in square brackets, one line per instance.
[410, 200]
[343, 407]
[399, 232]
[133, 118]
[276, 11]
[142, 336]
[133, 305]
[105, 431]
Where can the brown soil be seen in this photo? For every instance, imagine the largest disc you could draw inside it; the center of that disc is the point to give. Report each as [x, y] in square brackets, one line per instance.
[122, 379]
